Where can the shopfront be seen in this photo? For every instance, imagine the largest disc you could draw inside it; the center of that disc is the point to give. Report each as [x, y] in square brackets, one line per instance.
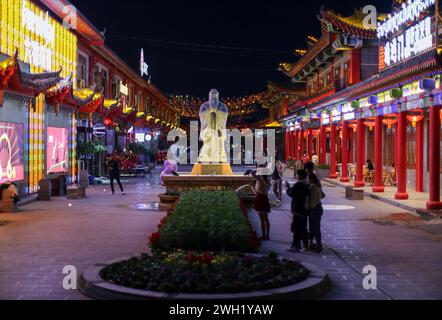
[37, 52]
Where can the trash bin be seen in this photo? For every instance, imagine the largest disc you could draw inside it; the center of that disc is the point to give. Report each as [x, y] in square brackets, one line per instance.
[59, 186]
[63, 184]
[44, 190]
[83, 175]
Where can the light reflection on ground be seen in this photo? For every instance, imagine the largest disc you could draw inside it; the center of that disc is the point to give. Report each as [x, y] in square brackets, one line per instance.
[154, 206]
[335, 207]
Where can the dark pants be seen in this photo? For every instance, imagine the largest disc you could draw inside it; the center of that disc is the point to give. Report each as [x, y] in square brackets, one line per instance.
[117, 178]
[277, 189]
[300, 232]
[315, 225]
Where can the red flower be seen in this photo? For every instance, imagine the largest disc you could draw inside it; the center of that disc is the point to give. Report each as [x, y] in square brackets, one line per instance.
[154, 237]
[191, 258]
[206, 258]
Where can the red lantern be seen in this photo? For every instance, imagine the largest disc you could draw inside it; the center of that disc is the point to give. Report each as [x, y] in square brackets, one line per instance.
[415, 116]
[369, 123]
[390, 120]
[354, 126]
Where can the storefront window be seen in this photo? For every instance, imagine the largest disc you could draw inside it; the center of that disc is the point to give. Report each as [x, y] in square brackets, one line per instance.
[101, 79]
[115, 87]
[82, 71]
[389, 146]
[411, 147]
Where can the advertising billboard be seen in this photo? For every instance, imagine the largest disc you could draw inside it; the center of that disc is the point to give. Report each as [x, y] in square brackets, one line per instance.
[57, 150]
[11, 152]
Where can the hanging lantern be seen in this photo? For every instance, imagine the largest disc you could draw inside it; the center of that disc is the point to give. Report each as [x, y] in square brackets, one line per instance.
[369, 123]
[390, 120]
[415, 116]
[354, 126]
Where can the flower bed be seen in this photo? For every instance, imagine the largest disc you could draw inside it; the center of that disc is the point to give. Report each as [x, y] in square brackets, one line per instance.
[206, 221]
[208, 273]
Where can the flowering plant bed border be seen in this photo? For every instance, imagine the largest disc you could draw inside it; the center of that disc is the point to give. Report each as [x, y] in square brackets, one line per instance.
[92, 285]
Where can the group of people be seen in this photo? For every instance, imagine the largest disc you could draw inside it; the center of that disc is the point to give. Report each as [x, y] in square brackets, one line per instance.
[306, 207]
[307, 210]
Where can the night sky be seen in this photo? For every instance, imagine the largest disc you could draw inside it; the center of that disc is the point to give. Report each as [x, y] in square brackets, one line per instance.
[192, 46]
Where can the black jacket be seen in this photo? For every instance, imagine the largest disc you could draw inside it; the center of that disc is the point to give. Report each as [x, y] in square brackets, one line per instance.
[113, 168]
[298, 193]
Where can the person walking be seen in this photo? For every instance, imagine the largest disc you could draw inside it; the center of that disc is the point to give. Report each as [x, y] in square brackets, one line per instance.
[262, 202]
[277, 176]
[299, 194]
[113, 167]
[316, 211]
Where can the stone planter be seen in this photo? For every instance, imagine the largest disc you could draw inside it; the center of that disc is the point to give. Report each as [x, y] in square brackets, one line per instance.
[92, 285]
[168, 202]
[323, 173]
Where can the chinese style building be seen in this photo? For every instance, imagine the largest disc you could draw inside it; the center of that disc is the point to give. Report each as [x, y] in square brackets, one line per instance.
[373, 94]
[56, 76]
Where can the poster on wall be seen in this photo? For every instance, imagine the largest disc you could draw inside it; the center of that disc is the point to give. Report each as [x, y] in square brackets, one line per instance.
[57, 150]
[11, 152]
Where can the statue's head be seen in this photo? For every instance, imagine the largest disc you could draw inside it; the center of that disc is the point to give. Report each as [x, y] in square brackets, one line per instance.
[213, 97]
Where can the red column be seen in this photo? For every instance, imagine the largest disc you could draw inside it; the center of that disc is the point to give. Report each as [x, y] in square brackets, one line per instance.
[317, 144]
[310, 143]
[352, 136]
[344, 175]
[360, 154]
[287, 144]
[295, 144]
[378, 162]
[333, 174]
[401, 165]
[292, 144]
[323, 145]
[301, 144]
[420, 156]
[434, 145]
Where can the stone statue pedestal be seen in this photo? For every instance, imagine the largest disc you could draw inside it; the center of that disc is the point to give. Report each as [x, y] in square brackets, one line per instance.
[220, 169]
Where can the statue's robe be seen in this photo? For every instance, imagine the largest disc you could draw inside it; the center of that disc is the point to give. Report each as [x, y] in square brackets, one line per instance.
[213, 133]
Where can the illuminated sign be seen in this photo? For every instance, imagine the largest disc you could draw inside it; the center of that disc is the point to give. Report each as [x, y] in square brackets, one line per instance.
[124, 89]
[348, 112]
[57, 152]
[325, 118]
[99, 130]
[144, 68]
[417, 39]
[11, 152]
[408, 13]
[406, 33]
[336, 114]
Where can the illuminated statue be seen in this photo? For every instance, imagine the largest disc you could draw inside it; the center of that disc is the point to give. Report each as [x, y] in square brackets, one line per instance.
[213, 117]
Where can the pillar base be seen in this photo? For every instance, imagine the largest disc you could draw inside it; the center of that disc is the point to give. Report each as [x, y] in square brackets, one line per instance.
[359, 184]
[345, 179]
[333, 176]
[401, 196]
[378, 189]
[434, 205]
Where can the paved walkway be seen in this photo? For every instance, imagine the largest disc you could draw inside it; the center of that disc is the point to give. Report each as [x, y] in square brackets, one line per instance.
[417, 201]
[37, 243]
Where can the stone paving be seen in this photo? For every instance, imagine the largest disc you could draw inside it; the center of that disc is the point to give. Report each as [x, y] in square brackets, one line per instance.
[38, 242]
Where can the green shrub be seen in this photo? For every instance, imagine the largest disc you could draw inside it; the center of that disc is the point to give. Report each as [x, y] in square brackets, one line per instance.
[323, 166]
[206, 221]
